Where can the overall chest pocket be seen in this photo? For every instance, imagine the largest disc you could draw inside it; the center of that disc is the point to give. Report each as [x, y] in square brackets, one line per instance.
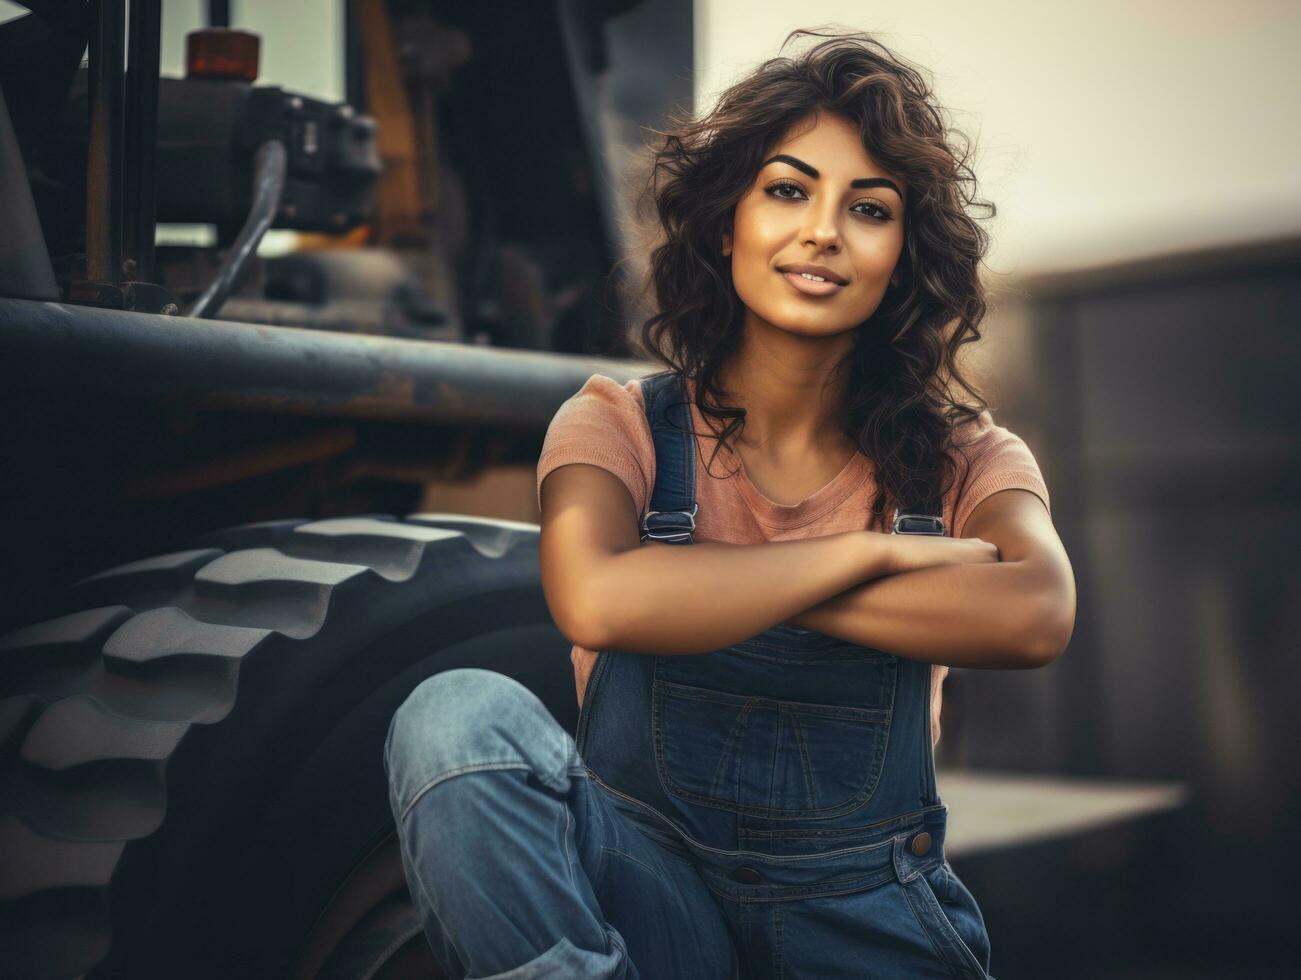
[769, 732]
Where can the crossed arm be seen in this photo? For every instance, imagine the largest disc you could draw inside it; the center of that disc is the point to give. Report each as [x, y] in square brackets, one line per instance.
[1015, 613]
[926, 599]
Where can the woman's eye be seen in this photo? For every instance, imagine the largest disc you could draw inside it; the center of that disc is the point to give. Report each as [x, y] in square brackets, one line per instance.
[773, 190]
[871, 208]
[881, 211]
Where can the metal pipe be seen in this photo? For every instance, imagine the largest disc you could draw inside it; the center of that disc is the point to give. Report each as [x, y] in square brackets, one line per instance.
[139, 192]
[269, 169]
[286, 370]
[218, 13]
[104, 154]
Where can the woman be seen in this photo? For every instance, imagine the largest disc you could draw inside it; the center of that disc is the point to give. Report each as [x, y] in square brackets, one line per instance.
[752, 789]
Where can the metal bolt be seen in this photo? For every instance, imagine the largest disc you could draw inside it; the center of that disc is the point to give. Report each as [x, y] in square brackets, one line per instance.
[295, 104]
[171, 309]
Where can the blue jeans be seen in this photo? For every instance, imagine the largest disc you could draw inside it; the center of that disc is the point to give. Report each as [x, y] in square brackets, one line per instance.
[523, 864]
[519, 865]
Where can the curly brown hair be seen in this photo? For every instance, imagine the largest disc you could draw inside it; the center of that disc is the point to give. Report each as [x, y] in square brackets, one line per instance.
[899, 410]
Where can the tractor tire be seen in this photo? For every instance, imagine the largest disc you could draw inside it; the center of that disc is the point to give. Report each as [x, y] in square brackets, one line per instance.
[193, 743]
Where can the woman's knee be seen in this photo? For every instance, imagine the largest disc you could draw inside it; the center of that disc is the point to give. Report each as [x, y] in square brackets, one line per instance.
[468, 720]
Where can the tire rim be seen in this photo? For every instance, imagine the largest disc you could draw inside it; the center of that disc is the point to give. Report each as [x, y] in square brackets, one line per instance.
[370, 930]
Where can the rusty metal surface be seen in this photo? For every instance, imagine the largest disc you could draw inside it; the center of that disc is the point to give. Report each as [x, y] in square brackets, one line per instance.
[389, 318]
[250, 367]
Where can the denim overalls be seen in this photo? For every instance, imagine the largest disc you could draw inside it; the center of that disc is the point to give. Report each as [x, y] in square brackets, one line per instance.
[797, 768]
[767, 810]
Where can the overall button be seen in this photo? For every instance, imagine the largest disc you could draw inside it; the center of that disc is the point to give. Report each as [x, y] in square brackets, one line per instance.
[746, 875]
[921, 844]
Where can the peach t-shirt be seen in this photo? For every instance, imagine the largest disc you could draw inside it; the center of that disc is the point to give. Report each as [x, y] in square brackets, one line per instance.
[604, 424]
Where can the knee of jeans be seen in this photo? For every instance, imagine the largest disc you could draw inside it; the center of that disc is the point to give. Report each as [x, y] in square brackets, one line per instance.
[468, 720]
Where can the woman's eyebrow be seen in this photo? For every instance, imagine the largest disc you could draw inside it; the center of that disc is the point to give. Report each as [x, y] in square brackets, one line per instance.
[799, 164]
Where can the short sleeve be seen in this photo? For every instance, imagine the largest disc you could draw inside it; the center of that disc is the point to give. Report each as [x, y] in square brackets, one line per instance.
[996, 459]
[603, 424]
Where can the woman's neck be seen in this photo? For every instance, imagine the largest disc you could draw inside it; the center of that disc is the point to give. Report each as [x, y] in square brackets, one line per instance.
[792, 397]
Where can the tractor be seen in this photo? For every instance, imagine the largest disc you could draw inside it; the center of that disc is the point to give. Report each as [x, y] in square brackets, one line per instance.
[277, 366]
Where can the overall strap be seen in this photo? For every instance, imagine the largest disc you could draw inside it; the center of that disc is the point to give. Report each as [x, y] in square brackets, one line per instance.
[924, 517]
[671, 516]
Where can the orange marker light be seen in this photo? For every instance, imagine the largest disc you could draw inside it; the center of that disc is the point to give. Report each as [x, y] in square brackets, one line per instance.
[220, 52]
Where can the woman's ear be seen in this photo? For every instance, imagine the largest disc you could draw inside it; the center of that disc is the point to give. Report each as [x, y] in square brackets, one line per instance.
[727, 243]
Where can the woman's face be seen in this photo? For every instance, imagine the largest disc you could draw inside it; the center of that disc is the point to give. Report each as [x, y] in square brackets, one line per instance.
[818, 200]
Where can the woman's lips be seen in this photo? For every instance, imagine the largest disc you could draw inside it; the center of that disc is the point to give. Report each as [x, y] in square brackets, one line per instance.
[811, 286]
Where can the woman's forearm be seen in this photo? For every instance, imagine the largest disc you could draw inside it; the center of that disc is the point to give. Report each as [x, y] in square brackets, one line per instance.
[670, 599]
[984, 615]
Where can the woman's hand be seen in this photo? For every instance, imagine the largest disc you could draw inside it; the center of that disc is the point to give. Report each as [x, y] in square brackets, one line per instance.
[916, 551]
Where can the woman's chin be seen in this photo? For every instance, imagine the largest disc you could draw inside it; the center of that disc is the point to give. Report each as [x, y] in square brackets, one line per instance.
[814, 327]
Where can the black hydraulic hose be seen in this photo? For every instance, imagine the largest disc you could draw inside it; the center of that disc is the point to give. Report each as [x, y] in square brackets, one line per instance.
[268, 183]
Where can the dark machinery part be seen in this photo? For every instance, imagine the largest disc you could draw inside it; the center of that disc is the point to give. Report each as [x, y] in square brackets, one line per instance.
[139, 189]
[25, 268]
[248, 367]
[268, 185]
[209, 132]
[508, 261]
[218, 13]
[117, 122]
[105, 87]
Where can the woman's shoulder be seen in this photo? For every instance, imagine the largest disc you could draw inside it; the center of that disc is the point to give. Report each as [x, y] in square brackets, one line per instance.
[976, 433]
[990, 457]
[604, 388]
[601, 389]
[981, 442]
[603, 424]
[602, 401]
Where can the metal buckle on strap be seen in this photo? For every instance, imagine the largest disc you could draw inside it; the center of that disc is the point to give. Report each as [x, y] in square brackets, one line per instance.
[678, 527]
[917, 523]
